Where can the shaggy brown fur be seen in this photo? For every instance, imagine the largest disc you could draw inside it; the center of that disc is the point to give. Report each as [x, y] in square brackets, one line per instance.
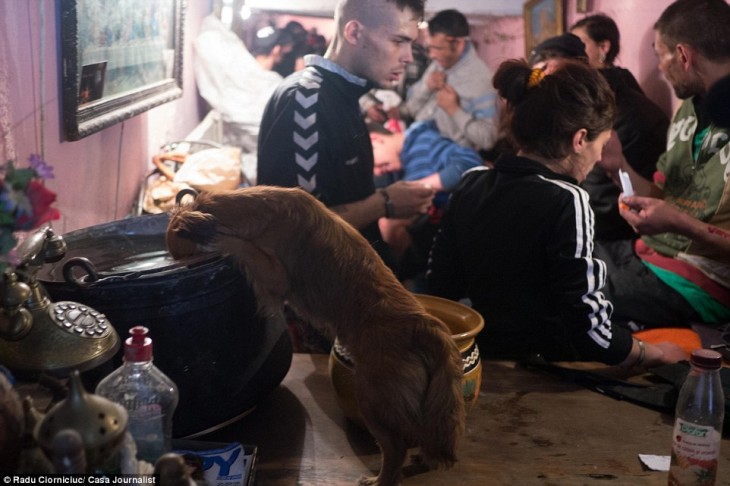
[408, 369]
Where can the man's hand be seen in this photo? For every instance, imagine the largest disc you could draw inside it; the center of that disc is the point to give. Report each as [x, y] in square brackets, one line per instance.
[649, 215]
[436, 80]
[376, 114]
[410, 198]
[448, 99]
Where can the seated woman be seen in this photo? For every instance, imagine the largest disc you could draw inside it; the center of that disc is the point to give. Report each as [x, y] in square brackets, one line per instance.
[420, 154]
[640, 124]
[517, 239]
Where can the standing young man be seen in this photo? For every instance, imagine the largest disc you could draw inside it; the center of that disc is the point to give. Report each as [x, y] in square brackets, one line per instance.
[312, 132]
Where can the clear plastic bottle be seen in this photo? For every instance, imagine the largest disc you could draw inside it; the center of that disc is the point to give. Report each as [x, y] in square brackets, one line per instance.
[149, 396]
[698, 423]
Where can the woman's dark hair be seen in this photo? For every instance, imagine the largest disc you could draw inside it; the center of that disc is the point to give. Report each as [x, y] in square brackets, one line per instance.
[601, 27]
[545, 111]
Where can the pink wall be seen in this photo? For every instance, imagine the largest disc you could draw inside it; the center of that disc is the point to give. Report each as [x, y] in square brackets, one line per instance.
[98, 177]
[498, 38]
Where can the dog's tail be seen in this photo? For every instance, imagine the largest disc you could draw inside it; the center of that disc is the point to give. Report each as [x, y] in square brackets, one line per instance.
[443, 410]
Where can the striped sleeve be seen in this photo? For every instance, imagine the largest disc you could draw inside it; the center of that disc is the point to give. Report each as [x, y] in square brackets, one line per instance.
[577, 278]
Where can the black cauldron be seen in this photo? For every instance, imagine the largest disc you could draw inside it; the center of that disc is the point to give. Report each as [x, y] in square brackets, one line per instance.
[201, 314]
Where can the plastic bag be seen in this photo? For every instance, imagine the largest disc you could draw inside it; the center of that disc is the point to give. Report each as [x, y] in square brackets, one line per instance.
[211, 169]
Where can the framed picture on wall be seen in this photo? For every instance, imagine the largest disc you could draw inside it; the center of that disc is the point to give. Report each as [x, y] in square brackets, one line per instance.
[119, 59]
[543, 19]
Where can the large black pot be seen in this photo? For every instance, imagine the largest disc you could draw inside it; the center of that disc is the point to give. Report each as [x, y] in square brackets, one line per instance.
[201, 314]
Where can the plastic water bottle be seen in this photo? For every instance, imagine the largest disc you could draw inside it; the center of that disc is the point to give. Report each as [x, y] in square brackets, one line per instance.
[698, 423]
[149, 396]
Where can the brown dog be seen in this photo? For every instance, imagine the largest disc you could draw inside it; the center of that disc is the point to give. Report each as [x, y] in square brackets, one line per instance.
[293, 249]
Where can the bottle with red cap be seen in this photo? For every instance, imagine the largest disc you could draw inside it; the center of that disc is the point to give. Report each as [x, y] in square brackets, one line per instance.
[698, 422]
[149, 396]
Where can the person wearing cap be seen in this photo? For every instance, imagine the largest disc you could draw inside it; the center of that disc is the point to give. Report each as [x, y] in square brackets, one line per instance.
[456, 89]
[547, 54]
[640, 125]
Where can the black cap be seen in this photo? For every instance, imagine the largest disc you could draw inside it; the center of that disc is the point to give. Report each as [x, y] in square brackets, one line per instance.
[565, 46]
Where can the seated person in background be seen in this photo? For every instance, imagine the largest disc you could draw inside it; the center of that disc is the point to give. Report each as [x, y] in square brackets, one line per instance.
[422, 155]
[288, 62]
[456, 89]
[641, 127]
[517, 239]
[602, 41]
[678, 272]
[237, 82]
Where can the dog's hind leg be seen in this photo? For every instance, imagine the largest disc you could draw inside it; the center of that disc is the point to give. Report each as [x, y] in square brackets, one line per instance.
[393, 453]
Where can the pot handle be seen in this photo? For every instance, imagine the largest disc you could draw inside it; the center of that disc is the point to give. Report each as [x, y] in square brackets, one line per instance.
[92, 277]
[184, 192]
[86, 265]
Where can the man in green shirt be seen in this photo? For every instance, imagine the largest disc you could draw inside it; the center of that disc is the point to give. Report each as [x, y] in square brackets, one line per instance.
[678, 272]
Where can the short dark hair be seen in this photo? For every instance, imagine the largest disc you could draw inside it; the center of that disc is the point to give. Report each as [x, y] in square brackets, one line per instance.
[601, 27]
[702, 24]
[449, 22]
[545, 112]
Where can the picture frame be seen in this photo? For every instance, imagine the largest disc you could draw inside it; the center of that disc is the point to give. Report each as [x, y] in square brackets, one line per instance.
[118, 59]
[543, 19]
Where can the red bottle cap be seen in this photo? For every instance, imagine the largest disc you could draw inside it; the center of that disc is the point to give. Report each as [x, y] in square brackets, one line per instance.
[706, 358]
[138, 347]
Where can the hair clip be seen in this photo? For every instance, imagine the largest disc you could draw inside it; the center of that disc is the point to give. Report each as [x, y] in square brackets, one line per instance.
[536, 76]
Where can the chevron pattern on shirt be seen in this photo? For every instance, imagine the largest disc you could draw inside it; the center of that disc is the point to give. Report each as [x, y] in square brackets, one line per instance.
[306, 134]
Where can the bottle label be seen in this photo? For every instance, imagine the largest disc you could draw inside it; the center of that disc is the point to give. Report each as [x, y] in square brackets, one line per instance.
[695, 454]
[146, 426]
